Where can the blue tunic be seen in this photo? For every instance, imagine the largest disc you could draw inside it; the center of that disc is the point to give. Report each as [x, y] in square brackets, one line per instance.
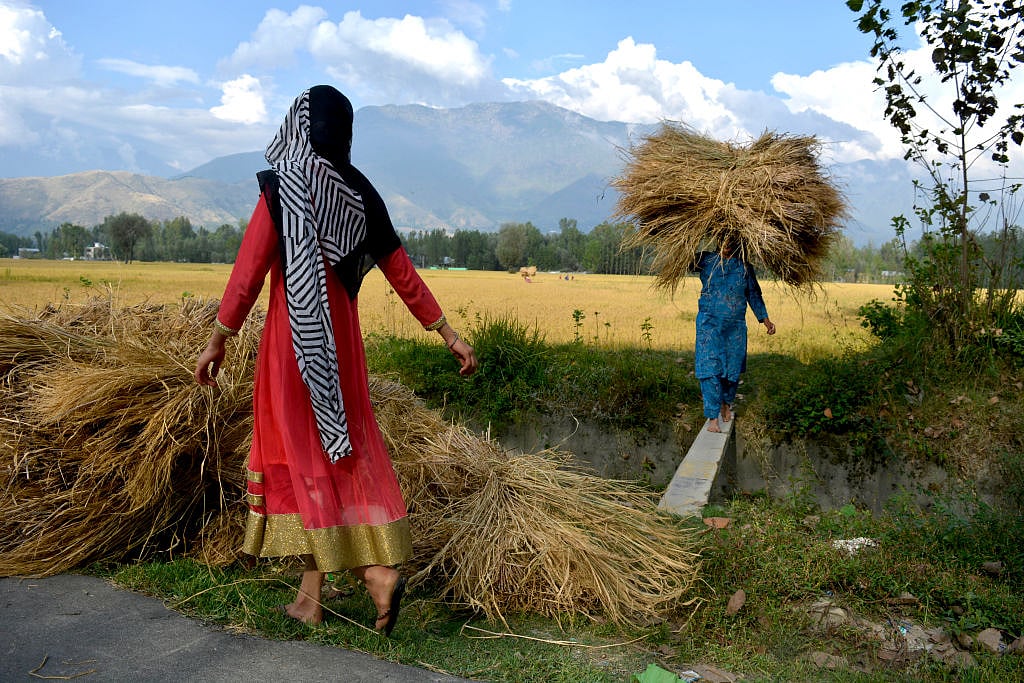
[727, 286]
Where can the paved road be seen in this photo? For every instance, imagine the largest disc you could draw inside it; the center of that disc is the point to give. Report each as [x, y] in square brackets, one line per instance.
[81, 628]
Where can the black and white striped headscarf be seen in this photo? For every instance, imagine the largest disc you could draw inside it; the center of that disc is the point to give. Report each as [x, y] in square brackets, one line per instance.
[322, 217]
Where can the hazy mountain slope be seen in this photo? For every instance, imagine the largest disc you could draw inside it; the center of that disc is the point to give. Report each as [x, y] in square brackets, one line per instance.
[474, 167]
[30, 204]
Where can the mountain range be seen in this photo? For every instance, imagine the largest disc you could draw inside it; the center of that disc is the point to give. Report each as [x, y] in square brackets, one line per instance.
[474, 167]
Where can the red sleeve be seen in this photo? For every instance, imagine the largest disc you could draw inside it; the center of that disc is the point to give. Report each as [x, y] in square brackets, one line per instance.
[259, 250]
[401, 273]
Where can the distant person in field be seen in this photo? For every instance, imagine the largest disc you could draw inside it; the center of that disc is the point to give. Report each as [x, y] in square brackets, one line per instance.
[320, 481]
[728, 285]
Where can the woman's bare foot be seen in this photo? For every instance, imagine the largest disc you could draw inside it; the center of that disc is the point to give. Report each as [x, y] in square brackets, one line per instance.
[380, 582]
[307, 607]
[726, 412]
[713, 426]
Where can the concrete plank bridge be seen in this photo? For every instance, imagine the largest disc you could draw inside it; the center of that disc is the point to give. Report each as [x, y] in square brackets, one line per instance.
[703, 474]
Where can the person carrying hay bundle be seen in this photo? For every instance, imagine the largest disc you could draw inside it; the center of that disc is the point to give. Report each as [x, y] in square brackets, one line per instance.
[768, 202]
[728, 286]
[320, 480]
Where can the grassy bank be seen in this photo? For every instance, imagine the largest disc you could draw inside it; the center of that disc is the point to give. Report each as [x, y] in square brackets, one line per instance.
[926, 571]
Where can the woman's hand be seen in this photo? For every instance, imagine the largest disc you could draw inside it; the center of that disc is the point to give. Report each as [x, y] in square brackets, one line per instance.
[769, 325]
[466, 357]
[460, 349]
[210, 360]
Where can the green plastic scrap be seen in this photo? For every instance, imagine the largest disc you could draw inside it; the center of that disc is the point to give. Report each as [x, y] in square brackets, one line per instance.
[655, 674]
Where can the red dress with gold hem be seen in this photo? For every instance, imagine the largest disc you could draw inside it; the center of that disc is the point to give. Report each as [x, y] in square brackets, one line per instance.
[347, 514]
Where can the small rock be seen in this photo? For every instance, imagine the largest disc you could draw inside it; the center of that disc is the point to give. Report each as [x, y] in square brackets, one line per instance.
[853, 545]
[964, 641]
[812, 520]
[824, 660]
[939, 636]
[1016, 647]
[826, 614]
[917, 639]
[735, 602]
[958, 610]
[713, 674]
[991, 640]
[993, 568]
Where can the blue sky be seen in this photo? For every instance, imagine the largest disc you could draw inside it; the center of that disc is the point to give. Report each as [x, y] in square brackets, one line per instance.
[187, 81]
[195, 80]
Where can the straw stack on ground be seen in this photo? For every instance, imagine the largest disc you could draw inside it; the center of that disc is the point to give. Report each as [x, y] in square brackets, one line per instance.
[684, 192]
[110, 451]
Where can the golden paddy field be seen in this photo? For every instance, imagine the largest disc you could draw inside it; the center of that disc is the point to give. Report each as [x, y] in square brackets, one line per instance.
[616, 309]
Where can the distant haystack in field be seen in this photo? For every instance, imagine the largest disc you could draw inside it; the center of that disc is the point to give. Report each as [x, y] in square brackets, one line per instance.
[111, 451]
[528, 271]
[684, 192]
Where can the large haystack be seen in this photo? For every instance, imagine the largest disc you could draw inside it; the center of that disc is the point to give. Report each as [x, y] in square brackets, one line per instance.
[110, 451]
[684, 192]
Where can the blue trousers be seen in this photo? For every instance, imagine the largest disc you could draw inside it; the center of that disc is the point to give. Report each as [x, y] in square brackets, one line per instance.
[716, 391]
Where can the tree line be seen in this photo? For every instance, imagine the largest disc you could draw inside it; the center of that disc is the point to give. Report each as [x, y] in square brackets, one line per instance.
[132, 237]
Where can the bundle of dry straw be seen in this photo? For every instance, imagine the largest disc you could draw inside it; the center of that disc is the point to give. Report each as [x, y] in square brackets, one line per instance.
[684, 192]
[110, 451]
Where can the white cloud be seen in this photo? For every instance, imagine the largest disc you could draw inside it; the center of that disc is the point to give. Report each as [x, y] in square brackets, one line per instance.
[845, 93]
[400, 57]
[13, 128]
[277, 38]
[242, 101]
[161, 75]
[632, 84]
[31, 49]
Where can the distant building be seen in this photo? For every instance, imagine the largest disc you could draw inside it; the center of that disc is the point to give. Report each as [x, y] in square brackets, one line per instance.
[28, 252]
[98, 252]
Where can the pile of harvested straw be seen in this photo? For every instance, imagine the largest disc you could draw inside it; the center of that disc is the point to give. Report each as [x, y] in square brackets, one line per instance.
[110, 451]
[684, 192]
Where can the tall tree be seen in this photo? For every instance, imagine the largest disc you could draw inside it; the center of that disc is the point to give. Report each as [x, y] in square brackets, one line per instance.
[961, 146]
[511, 248]
[125, 230]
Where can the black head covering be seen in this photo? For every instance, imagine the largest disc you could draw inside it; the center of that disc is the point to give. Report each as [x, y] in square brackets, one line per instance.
[330, 125]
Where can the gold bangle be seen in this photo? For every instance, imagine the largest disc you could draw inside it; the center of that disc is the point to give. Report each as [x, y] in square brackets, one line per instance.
[224, 329]
[438, 324]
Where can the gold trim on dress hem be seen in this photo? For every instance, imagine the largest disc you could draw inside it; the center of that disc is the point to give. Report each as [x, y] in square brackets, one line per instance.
[334, 548]
[255, 477]
[255, 500]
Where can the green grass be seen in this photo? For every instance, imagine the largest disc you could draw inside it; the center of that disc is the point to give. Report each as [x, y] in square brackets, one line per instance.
[520, 374]
[778, 552]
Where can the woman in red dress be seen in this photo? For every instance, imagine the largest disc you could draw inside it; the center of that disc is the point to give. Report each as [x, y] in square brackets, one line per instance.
[320, 481]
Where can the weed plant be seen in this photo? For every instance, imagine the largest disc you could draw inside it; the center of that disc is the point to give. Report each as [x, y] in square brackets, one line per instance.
[521, 375]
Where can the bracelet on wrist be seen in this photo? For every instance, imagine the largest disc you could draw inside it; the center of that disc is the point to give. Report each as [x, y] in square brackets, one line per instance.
[437, 324]
[455, 338]
[224, 329]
